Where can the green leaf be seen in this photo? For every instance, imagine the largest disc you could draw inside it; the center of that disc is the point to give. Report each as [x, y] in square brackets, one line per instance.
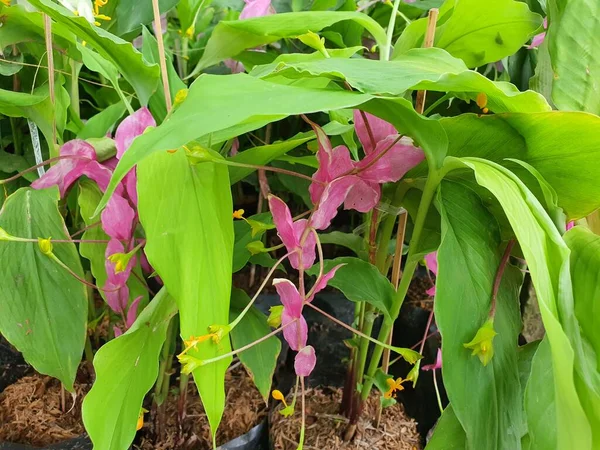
[448, 433]
[100, 124]
[562, 146]
[574, 47]
[126, 369]
[261, 156]
[11, 163]
[359, 281]
[477, 32]
[243, 236]
[130, 14]
[351, 241]
[259, 360]
[186, 213]
[150, 51]
[143, 77]
[187, 11]
[44, 308]
[547, 258]
[232, 37]
[486, 399]
[429, 69]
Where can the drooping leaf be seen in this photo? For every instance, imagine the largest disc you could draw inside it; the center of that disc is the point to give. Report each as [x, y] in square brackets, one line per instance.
[129, 15]
[186, 213]
[562, 146]
[431, 69]
[478, 32]
[143, 77]
[244, 234]
[547, 258]
[43, 311]
[574, 47]
[486, 399]
[99, 124]
[259, 360]
[232, 37]
[351, 241]
[359, 281]
[448, 434]
[126, 369]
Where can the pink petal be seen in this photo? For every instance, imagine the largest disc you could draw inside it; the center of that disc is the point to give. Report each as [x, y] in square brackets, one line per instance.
[290, 298]
[431, 261]
[333, 196]
[537, 40]
[132, 127]
[66, 171]
[111, 163]
[146, 267]
[322, 283]
[118, 332]
[333, 163]
[389, 162]
[363, 196]
[130, 182]
[117, 218]
[235, 147]
[256, 8]
[431, 291]
[117, 296]
[377, 130]
[234, 66]
[132, 312]
[100, 174]
[308, 249]
[282, 218]
[570, 225]
[305, 361]
[437, 364]
[295, 333]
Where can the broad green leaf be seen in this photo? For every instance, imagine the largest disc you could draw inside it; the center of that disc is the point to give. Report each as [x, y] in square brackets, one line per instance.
[126, 369]
[243, 236]
[186, 213]
[217, 102]
[43, 311]
[232, 37]
[574, 46]
[480, 32]
[157, 101]
[351, 241]
[100, 124]
[359, 281]
[547, 257]
[97, 63]
[448, 433]
[486, 399]
[143, 77]
[130, 14]
[261, 156]
[260, 360]
[430, 69]
[540, 405]
[11, 163]
[562, 146]
[87, 199]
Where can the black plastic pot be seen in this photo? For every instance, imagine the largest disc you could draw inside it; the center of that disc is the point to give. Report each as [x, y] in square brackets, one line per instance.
[255, 439]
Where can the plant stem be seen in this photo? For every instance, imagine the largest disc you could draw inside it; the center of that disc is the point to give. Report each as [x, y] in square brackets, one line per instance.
[16, 139]
[51, 83]
[161, 388]
[499, 274]
[386, 52]
[431, 185]
[437, 391]
[75, 87]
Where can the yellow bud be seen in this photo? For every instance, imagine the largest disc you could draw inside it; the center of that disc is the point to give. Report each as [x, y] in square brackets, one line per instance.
[277, 395]
[481, 100]
[238, 214]
[45, 246]
[189, 33]
[180, 96]
[140, 421]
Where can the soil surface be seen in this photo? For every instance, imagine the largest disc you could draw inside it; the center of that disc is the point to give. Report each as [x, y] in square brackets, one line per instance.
[244, 409]
[31, 413]
[325, 426]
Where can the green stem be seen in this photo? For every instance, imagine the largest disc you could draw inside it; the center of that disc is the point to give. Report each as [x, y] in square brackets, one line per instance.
[388, 228]
[75, 66]
[385, 52]
[16, 136]
[364, 343]
[184, 57]
[437, 103]
[165, 362]
[412, 262]
[89, 353]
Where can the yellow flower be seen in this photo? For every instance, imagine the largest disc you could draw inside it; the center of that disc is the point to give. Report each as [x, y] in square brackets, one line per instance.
[45, 246]
[140, 421]
[277, 395]
[481, 101]
[193, 342]
[189, 33]
[121, 260]
[482, 344]
[393, 387]
[180, 96]
[238, 214]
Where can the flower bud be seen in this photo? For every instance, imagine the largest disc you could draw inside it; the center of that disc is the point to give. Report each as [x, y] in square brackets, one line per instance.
[482, 344]
[45, 246]
[274, 319]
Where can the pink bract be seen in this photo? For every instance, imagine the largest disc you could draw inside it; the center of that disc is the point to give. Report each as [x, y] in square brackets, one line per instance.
[256, 8]
[305, 361]
[437, 364]
[118, 218]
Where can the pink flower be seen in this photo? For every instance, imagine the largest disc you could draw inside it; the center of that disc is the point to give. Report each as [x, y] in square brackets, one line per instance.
[292, 233]
[117, 296]
[64, 173]
[295, 328]
[234, 66]
[118, 218]
[117, 278]
[132, 312]
[432, 264]
[538, 39]
[256, 8]
[356, 184]
[437, 364]
[570, 225]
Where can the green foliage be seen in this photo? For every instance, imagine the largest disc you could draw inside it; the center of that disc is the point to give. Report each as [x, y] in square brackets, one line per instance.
[260, 360]
[186, 213]
[43, 311]
[126, 368]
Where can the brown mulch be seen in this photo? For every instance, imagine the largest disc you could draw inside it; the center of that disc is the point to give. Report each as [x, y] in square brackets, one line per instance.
[325, 426]
[417, 293]
[30, 411]
[244, 409]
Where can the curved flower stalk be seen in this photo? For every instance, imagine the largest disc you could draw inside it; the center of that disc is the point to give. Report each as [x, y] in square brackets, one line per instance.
[432, 265]
[119, 218]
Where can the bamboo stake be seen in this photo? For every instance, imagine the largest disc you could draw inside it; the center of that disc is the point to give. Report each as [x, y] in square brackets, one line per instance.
[50, 56]
[429, 37]
[161, 55]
